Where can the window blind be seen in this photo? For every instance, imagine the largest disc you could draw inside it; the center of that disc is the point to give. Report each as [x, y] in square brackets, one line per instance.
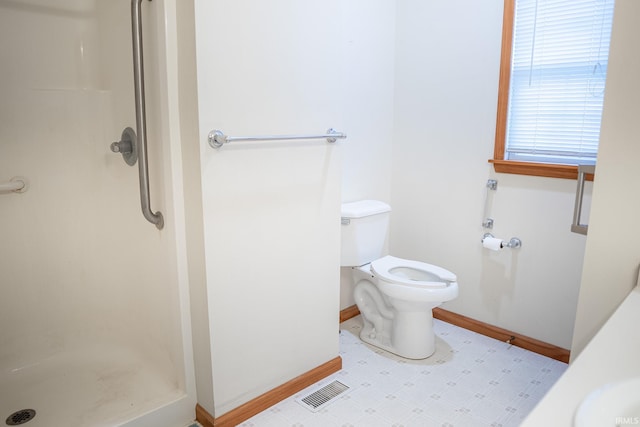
[558, 70]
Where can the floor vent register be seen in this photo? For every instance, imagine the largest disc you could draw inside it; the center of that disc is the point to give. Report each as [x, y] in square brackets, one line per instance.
[324, 396]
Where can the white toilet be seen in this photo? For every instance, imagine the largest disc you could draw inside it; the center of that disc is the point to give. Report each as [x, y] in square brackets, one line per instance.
[395, 296]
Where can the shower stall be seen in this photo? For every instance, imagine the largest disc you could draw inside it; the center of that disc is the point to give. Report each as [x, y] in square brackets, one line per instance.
[94, 309]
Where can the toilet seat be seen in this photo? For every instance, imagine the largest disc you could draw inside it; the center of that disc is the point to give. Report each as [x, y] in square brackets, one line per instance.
[411, 273]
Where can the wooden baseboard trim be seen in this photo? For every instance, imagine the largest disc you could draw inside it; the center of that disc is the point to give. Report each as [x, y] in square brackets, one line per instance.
[531, 344]
[528, 343]
[204, 417]
[348, 313]
[253, 407]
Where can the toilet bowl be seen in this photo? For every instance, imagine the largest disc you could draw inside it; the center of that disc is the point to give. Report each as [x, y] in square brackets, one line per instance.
[396, 298]
[414, 281]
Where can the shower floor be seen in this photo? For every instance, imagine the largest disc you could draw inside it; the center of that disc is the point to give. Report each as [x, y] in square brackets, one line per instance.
[97, 388]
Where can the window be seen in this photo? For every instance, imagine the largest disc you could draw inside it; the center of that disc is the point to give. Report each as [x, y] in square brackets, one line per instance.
[552, 75]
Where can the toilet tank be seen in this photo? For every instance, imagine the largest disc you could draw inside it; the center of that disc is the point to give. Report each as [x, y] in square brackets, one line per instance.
[364, 230]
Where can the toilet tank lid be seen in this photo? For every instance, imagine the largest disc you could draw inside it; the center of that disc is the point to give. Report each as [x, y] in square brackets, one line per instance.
[364, 208]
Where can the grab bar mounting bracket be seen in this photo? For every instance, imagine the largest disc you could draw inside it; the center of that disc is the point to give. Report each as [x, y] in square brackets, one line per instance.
[127, 146]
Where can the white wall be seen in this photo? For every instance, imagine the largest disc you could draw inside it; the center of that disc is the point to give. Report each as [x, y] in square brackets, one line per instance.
[447, 59]
[368, 67]
[271, 210]
[613, 247]
[194, 223]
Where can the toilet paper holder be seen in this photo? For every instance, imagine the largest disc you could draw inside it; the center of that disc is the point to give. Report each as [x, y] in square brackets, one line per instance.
[513, 243]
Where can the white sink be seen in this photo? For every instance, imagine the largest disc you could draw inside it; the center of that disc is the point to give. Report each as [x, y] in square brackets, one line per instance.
[614, 404]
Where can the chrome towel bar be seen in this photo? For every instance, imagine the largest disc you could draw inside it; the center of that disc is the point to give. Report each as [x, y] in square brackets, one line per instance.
[217, 138]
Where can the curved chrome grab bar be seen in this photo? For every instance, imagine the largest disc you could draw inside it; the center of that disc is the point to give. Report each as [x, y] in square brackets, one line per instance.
[141, 125]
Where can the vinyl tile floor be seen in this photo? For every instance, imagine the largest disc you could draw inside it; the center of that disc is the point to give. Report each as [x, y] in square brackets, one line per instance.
[471, 380]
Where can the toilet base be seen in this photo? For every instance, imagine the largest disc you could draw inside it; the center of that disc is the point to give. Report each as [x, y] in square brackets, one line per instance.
[409, 334]
[400, 327]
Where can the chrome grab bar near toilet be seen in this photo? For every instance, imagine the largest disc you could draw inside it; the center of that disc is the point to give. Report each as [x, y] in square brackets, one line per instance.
[134, 147]
[217, 138]
[576, 227]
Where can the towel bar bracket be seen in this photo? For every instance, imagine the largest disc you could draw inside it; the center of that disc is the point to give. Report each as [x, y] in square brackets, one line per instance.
[17, 184]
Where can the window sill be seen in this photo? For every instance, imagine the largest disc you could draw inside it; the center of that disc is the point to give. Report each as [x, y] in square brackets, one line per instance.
[537, 169]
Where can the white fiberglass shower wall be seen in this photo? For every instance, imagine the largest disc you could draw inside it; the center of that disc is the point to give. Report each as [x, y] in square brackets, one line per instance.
[93, 311]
